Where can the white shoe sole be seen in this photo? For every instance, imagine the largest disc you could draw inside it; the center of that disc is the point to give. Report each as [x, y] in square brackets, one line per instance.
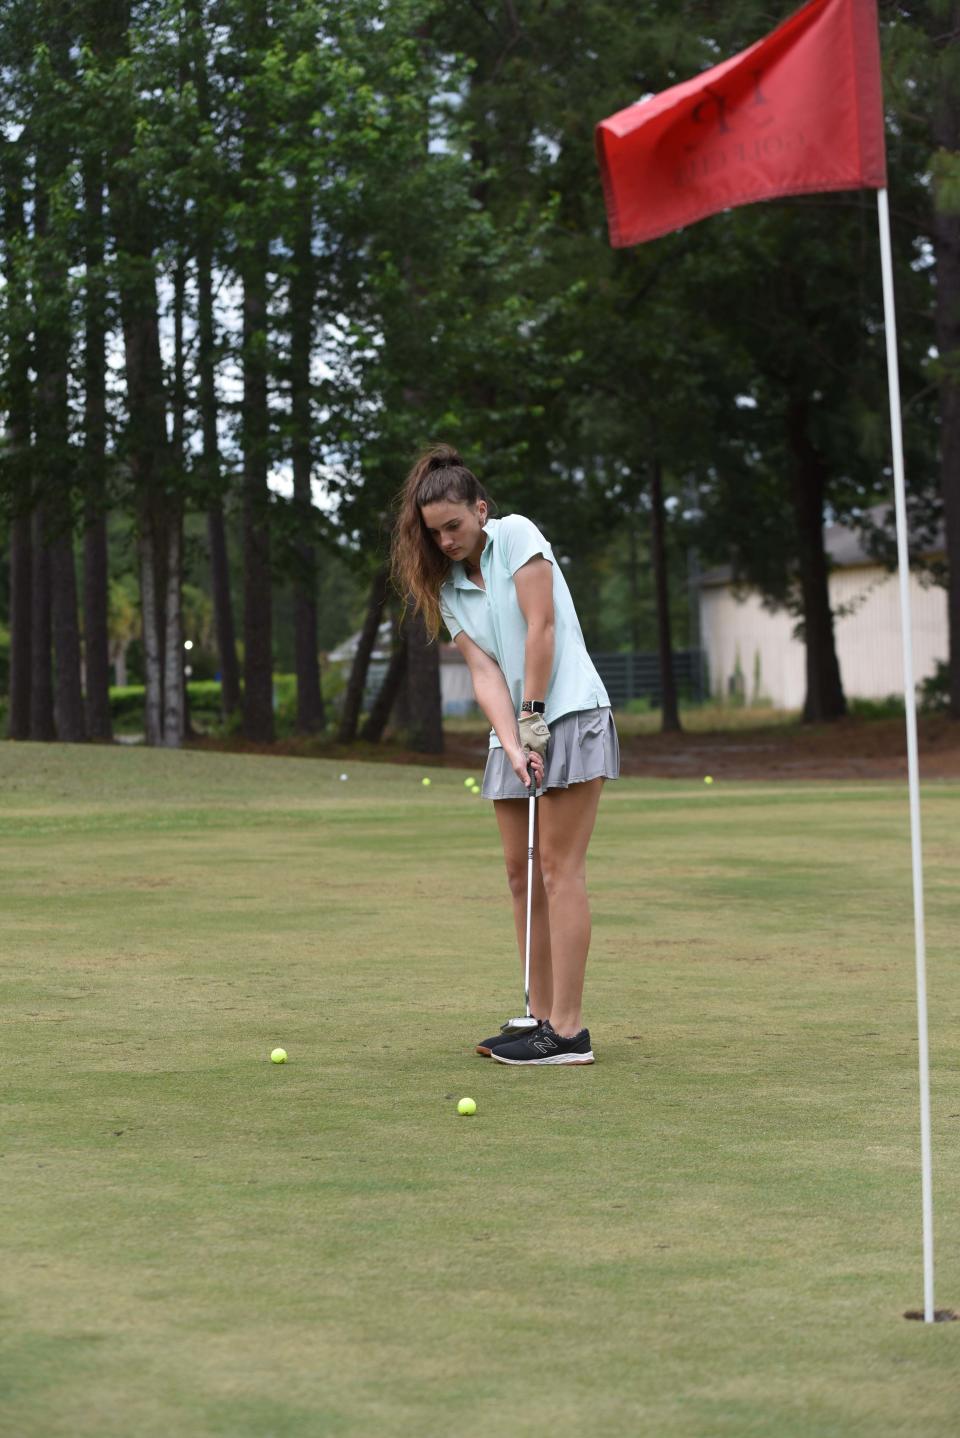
[556, 1059]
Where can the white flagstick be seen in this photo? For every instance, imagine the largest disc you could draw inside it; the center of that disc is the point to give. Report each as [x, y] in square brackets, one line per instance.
[893, 376]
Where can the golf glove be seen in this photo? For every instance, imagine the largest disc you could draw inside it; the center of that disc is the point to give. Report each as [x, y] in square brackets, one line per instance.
[534, 734]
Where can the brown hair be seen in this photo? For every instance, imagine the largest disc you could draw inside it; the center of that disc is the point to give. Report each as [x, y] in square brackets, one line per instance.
[417, 565]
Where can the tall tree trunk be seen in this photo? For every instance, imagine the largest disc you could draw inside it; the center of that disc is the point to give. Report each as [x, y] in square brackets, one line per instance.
[41, 668]
[68, 701]
[207, 393]
[310, 712]
[223, 610]
[426, 709]
[946, 247]
[808, 481]
[174, 679]
[21, 582]
[152, 663]
[95, 564]
[257, 595]
[353, 699]
[53, 443]
[393, 682]
[255, 419]
[400, 716]
[670, 715]
[146, 436]
[17, 460]
[216, 529]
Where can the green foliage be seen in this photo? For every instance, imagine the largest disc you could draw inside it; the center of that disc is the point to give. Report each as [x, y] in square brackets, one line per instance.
[464, 286]
[946, 179]
[889, 708]
[934, 691]
[126, 705]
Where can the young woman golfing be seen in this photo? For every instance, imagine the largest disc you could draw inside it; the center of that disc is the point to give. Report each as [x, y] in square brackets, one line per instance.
[495, 584]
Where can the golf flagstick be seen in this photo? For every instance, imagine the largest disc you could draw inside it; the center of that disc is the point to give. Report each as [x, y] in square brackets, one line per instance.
[528, 1021]
[913, 765]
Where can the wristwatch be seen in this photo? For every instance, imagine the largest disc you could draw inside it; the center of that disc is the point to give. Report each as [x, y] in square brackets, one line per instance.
[533, 706]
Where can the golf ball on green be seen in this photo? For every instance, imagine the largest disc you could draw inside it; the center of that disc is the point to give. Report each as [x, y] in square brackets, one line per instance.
[279, 1056]
[708, 778]
[467, 1106]
[469, 783]
[426, 783]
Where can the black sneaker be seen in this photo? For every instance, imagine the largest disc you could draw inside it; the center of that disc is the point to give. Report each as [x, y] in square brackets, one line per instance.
[545, 1046]
[508, 1034]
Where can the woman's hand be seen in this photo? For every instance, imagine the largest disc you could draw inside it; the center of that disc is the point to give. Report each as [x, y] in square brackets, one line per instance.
[534, 734]
[522, 763]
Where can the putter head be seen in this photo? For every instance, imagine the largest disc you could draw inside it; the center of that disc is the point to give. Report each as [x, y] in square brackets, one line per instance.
[527, 1022]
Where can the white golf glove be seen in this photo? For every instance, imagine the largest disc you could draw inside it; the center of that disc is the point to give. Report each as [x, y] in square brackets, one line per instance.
[534, 734]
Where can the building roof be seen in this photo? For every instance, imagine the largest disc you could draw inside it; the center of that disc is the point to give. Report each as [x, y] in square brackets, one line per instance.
[847, 547]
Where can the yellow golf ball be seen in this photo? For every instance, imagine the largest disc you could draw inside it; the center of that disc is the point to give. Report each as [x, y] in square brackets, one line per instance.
[708, 778]
[426, 783]
[279, 1056]
[467, 1106]
[469, 783]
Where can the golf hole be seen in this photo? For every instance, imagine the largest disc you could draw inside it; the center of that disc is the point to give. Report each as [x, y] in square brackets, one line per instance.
[940, 1315]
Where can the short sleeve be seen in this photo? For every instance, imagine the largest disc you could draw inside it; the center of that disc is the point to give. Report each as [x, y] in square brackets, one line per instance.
[446, 614]
[521, 540]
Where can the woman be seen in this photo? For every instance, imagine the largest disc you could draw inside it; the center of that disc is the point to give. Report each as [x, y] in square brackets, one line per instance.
[496, 586]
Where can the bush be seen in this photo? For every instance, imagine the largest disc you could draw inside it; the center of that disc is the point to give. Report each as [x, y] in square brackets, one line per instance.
[934, 692]
[205, 700]
[126, 705]
[889, 708]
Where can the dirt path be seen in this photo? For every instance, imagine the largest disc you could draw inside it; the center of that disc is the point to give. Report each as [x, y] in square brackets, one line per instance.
[850, 749]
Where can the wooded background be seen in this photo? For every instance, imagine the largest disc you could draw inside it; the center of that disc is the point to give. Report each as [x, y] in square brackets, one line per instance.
[256, 254]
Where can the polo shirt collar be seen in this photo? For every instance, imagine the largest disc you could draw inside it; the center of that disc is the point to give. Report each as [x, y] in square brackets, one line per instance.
[459, 574]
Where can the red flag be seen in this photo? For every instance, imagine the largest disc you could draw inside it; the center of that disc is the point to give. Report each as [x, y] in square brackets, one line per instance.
[800, 110]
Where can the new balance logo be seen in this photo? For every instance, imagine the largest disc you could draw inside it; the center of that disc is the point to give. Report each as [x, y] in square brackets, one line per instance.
[544, 1044]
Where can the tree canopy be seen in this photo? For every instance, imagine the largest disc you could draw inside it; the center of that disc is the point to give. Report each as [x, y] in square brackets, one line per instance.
[256, 255]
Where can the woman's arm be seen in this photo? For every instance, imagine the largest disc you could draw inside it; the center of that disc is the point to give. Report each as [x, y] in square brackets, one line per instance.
[494, 699]
[534, 581]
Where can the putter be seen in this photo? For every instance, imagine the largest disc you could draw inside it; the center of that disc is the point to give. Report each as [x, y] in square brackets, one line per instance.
[528, 1021]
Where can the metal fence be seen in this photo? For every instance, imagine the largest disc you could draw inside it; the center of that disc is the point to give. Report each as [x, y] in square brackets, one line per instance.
[625, 677]
[637, 676]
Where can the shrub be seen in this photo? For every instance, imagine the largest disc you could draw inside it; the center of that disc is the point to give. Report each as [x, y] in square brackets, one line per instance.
[934, 692]
[889, 708]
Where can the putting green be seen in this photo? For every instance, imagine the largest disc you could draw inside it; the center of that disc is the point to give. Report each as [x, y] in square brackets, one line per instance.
[713, 1231]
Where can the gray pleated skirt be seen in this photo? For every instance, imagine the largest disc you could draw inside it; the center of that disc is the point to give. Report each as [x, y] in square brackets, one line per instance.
[582, 746]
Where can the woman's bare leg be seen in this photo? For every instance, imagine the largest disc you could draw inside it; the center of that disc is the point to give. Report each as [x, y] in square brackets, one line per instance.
[566, 819]
[513, 819]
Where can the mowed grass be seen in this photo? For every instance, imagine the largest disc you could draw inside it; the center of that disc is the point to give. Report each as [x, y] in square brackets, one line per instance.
[713, 1231]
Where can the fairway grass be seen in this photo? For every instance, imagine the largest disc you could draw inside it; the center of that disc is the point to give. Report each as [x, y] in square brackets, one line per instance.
[715, 1230]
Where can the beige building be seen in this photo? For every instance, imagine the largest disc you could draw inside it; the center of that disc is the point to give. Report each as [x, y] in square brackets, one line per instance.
[751, 651]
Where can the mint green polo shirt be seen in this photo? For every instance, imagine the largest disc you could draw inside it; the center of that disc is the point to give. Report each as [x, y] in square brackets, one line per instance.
[493, 619]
